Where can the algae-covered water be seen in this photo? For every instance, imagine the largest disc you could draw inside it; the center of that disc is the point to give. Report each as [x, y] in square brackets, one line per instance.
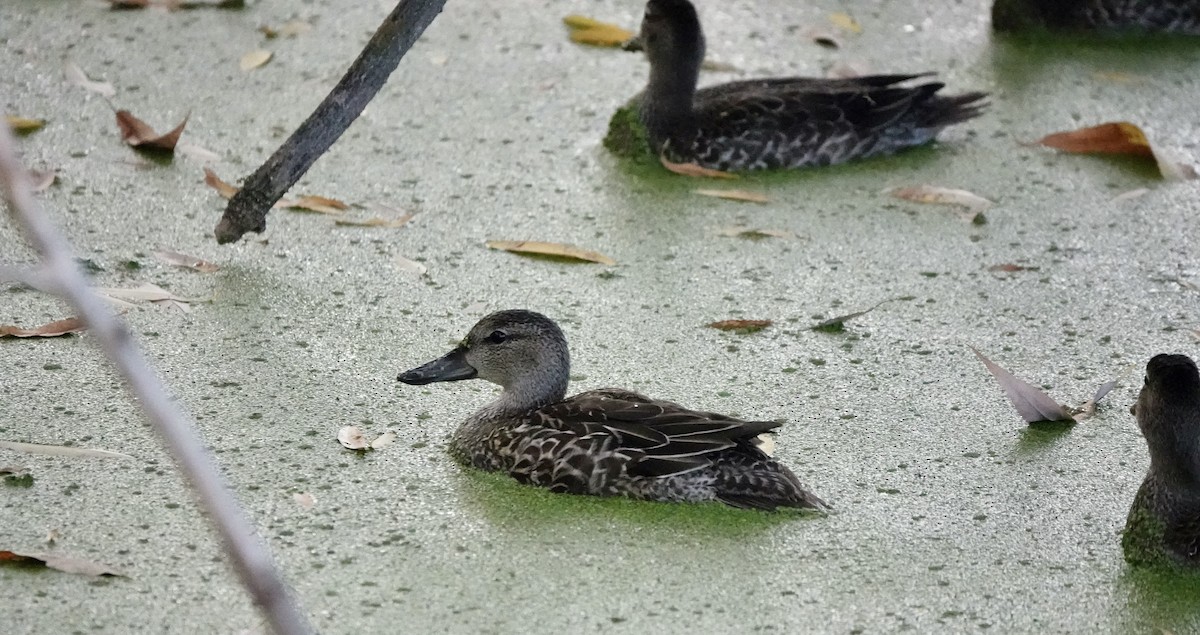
[950, 514]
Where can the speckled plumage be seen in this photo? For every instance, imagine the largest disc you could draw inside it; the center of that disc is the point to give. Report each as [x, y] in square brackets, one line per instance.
[778, 122]
[1164, 520]
[606, 442]
[1098, 16]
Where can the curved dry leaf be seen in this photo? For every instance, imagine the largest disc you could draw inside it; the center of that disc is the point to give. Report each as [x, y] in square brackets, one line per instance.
[383, 440]
[66, 564]
[1032, 404]
[177, 259]
[1118, 137]
[140, 135]
[560, 250]
[745, 326]
[254, 59]
[838, 324]
[52, 329]
[736, 195]
[845, 22]
[62, 450]
[23, 125]
[409, 266]
[76, 77]
[692, 169]
[935, 195]
[754, 234]
[224, 189]
[305, 500]
[375, 222]
[585, 30]
[351, 438]
[318, 204]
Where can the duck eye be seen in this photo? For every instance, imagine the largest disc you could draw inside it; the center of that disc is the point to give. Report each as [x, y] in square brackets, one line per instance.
[496, 337]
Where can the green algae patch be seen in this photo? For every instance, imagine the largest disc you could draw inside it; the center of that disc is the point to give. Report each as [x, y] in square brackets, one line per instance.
[627, 137]
[1143, 538]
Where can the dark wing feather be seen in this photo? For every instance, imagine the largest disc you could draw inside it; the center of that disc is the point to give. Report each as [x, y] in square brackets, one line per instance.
[662, 438]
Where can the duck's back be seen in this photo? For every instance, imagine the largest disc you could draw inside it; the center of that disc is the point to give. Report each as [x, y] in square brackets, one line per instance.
[798, 122]
[1113, 16]
[617, 442]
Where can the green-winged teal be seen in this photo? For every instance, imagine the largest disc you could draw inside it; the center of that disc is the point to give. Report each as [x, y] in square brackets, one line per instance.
[1164, 520]
[787, 122]
[606, 442]
[1098, 16]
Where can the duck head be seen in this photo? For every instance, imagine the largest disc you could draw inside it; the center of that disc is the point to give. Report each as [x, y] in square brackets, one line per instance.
[1168, 413]
[522, 351]
[671, 36]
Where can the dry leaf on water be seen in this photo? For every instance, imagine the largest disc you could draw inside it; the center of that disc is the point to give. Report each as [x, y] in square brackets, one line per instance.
[53, 329]
[254, 59]
[736, 195]
[845, 22]
[383, 440]
[838, 324]
[692, 169]
[744, 326]
[409, 266]
[76, 77]
[175, 5]
[375, 222]
[353, 438]
[62, 450]
[138, 134]
[585, 30]
[1088, 408]
[177, 259]
[305, 500]
[1118, 137]
[932, 194]
[66, 564]
[1031, 403]
[224, 189]
[320, 204]
[754, 234]
[146, 292]
[559, 250]
[23, 125]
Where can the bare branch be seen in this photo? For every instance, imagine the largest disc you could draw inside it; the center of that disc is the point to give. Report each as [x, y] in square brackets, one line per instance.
[251, 558]
[247, 210]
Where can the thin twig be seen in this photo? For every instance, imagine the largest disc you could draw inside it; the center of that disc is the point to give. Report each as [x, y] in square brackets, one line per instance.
[251, 558]
[247, 210]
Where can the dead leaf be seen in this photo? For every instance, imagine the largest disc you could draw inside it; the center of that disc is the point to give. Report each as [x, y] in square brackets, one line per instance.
[62, 450]
[224, 189]
[550, 249]
[754, 234]
[383, 440]
[1118, 137]
[845, 22]
[42, 179]
[53, 329]
[410, 266]
[838, 324]
[177, 259]
[744, 326]
[76, 77]
[291, 28]
[1009, 267]
[736, 195]
[305, 500]
[351, 438]
[1031, 403]
[932, 194]
[138, 134]
[318, 204]
[1088, 409]
[692, 169]
[375, 222]
[176, 5]
[146, 292]
[66, 564]
[254, 59]
[23, 125]
[585, 30]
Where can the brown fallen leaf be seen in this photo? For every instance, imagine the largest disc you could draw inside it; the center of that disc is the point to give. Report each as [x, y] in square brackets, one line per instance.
[735, 195]
[53, 329]
[1088, 409]
[23, 125]
[744, 326]
[692, 169]
[753, 233]
[42, 179]
[254, 59]
[62, 450]
[320, 204]
[585, 30]
[1009, 267]
[146, 292]
[177, 259]
[932, 194]
[540, 248]
[1031, 403]
[351, 438]
[176, 5]
[375, 222]
[76, 77]
[1118, 137]
[224, 189]
[66, 564]
[138, 134]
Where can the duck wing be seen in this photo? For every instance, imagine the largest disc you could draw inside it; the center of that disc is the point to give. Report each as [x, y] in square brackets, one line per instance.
[660, 438]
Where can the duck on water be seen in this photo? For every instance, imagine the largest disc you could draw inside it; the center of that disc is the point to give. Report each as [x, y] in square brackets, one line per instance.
[788, 122]
[607, 442]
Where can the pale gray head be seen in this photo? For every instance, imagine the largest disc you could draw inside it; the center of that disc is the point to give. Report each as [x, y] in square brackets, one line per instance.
[523, 351]
[1168, 413]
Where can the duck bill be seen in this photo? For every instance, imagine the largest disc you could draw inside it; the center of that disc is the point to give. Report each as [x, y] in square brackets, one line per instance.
[633, 44]
[452, 366]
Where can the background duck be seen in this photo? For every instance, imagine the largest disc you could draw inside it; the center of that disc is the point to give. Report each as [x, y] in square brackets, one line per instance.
[779, 122]
[1098, 16]
[1164, 520]
[606, 442]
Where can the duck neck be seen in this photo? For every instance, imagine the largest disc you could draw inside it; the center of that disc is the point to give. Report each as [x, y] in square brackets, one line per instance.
[667, 105]
[532, 391]
[1175, 446]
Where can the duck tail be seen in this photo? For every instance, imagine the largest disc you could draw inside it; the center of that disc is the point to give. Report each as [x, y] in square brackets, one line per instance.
[940, 112]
